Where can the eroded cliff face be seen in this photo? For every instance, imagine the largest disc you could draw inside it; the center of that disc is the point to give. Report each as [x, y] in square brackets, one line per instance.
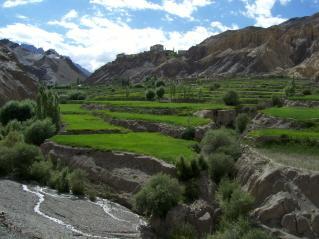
[15, 83]
[291, 48]
[287, 201]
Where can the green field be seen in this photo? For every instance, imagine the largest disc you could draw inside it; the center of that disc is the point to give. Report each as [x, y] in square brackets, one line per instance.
[161, 105]
[72, 109]
[291, 133]
[314, 97]
[296, 113]
[151, 144]
[185, 121]
[77, 122]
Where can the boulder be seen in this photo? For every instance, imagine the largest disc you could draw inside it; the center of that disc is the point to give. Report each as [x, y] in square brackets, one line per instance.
[315, 224]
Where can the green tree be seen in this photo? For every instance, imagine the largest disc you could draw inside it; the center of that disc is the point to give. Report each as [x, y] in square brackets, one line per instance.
[150, 95]
[160, 92]
[48, 106]
[231, 98]
[290, 89]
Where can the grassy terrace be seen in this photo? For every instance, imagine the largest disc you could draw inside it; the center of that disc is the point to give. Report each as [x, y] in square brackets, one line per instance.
[76, 122]
[297, 113]
[72, 109]
[314, 97]
[293, 134]
[151, 144]
[169, 119]
[160, 105]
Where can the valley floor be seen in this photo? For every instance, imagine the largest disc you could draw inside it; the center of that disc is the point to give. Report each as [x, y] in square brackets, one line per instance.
[35, 212]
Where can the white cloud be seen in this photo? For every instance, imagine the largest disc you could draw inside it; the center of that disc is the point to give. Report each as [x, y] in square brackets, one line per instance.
[95, 40]
[221, 27]
[183, 9]
[260, 10]
[15, 3]
[22, 17]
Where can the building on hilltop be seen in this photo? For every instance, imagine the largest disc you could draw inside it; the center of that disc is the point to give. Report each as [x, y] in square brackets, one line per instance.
[120, 56]
[157, 47]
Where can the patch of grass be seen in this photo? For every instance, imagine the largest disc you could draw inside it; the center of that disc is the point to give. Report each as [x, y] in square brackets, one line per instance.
[161, 105]
[86, 122]
[291, 133]
[306, 97]
[72, 109]
[151, 144]
[296, 113]
[294, 155]
[170, 119]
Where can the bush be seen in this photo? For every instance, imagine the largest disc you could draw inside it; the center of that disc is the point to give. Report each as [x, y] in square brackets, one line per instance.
[307, 92]
[185, 170]
[77, 95]
[220, 166]
[191, 190]
[214, 87]
[241, 122]
[276, 101]
[13, 125]
[39, 131]
[290, 89]
[220, 141]
[77, 182]
[256, 234]
[231, 98]
[159, 83]
[184, 231]
[6, 160]
[20, 111]
[160, 92]
[12, 139]
[234, 202]
[150, 95]
[62, 181]
[158, 196]
[92, 195]
[40, 171]
[189, 133]
[23, 157]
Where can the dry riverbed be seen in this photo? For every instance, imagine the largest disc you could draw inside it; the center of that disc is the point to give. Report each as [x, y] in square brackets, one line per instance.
[32, 212]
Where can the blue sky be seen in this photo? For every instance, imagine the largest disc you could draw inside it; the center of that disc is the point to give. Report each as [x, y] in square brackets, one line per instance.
[92, 32]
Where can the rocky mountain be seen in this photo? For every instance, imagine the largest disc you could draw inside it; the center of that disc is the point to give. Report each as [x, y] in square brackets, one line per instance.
[15, 83]
[47, 66]
[291, 48]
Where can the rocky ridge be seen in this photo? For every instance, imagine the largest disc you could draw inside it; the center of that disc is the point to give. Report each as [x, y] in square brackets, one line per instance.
[291, 48]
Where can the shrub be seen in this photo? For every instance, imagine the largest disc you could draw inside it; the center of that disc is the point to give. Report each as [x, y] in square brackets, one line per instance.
[276, 101]
[20, 111]
[231, 98]
[184, 169]
[13, 125]
[220, 166]
[77, 182]
[138, 85]
[234, 202]
[241, 122]
[23, 157]
[220, 141]
[307, 92]
[191, 190]
[184, 231]
[62, 181]
[256, 234]
[290, 89]
[158, 196]
[39, 131]
[215, 86]
[202, 163]
[92, 195]
[159, 83]
[6, 160]
[160, 92]
[12, 139]
[63, 99]
[189, 133]
[77, 95]
[40, 171]
[150, 95]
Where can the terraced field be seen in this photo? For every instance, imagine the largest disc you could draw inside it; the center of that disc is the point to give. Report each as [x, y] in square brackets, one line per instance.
[294, 113]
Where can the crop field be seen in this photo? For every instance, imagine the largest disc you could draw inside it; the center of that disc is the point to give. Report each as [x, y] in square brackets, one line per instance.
[151, 144]
[291, 133]
[72, 109]
[296, 113]
[185, 121]
[76, 122]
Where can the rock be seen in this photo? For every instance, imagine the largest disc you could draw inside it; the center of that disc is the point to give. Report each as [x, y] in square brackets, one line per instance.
[276, 206]
[289, 223]
[199, 214]
[286, 49]
[303, 226]
[315, 223]
[225, 117]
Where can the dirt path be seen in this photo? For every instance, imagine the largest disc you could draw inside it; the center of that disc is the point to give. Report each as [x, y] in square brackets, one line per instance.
[41, 213]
